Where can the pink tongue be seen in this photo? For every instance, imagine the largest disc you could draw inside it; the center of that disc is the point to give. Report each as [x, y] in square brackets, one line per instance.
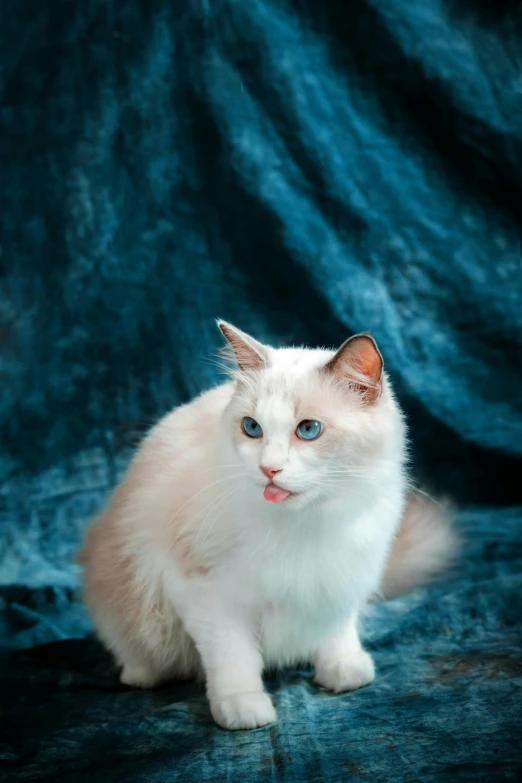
[275, 494]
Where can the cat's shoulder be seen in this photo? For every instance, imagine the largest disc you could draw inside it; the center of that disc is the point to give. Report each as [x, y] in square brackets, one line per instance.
[187, 428]
[203, 411]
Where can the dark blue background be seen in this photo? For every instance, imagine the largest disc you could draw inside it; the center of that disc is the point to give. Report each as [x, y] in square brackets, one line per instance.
[306, 170]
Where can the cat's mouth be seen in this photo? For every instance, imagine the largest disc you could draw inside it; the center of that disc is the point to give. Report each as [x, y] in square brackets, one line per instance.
[275, 494]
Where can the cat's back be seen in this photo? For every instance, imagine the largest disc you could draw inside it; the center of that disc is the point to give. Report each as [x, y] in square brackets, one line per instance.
[191, 426]
[179, 450]
[173, 459]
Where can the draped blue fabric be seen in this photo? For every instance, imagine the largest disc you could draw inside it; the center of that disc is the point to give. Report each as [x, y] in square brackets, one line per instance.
[305, 170]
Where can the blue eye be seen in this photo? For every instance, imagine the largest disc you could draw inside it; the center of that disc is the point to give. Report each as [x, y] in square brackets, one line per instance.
[309, 430]
[251, 427]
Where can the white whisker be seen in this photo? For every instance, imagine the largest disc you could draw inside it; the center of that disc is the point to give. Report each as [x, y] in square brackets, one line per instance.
[228, 502]
[219, 481]
[221, 497]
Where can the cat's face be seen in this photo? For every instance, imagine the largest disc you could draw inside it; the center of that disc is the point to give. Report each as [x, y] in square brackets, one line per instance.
[307, 422]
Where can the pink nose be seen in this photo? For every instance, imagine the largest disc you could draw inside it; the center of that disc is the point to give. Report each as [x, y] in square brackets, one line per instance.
[270, 472]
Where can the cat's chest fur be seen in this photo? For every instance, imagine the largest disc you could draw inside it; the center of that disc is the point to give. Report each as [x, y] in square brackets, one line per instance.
[304, 588]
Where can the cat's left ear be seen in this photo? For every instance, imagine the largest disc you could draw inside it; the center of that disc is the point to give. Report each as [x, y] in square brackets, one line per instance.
[359, 361]
[249, 353]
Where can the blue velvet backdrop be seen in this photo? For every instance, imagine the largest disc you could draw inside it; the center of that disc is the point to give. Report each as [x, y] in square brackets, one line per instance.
[306, 170]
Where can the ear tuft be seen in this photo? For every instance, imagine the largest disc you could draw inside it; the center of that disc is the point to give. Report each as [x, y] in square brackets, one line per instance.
[359, 361]
[249, 353]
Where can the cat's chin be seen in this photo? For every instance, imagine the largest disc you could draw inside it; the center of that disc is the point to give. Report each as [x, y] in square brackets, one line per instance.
[296, 501]
[293, 501]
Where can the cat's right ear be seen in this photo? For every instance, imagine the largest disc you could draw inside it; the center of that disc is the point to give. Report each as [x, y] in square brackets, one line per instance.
[359, 361]
[249, 354]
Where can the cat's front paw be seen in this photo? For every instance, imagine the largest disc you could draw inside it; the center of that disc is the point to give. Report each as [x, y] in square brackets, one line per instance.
[346, 674]
[243, 711]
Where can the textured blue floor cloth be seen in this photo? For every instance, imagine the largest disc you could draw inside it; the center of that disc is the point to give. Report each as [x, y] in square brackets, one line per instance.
[306, 170]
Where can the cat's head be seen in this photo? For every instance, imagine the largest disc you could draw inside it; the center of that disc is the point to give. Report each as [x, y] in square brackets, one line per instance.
[307, 422]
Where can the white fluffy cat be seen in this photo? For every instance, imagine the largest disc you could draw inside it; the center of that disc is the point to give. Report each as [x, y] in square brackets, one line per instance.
[254, 525]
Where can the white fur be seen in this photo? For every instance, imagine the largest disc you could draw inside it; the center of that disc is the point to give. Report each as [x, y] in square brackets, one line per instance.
[191, 570]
